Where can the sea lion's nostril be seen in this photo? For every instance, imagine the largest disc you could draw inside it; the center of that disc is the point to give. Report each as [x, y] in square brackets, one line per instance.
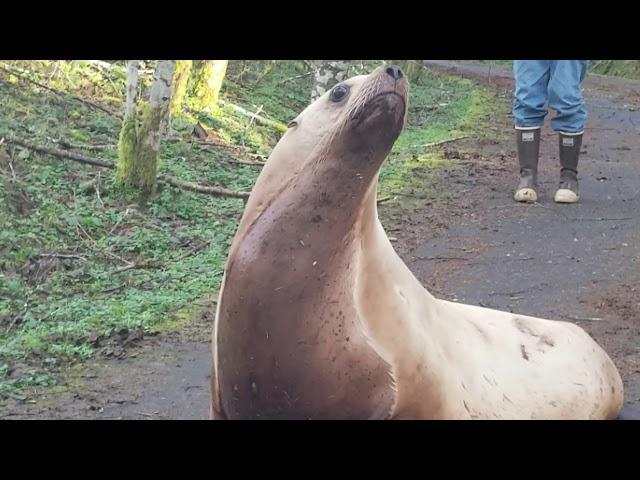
[394, 72]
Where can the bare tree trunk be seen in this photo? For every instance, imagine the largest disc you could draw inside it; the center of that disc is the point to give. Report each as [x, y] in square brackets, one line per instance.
[153, 124]
[328, 73]
[206, 81]
[128, 141]
[139, 144]
[132, 87]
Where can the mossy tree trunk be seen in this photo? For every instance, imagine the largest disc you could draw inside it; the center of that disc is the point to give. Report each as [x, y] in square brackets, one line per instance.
[180, 81]
[205, 82]
[327, 74]
[140, 140]
[153, 121]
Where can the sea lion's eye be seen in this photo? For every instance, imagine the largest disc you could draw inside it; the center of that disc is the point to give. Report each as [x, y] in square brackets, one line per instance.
[292, 124]
[339, 92]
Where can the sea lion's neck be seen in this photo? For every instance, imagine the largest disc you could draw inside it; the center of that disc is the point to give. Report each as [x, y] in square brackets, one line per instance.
[288, 311]
[315, 213]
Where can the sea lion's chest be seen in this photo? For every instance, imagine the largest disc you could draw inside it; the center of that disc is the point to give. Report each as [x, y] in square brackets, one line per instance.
[290, 343]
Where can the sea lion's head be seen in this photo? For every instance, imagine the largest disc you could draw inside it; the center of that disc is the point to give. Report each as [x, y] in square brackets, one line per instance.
[365, 113]
[349, 130]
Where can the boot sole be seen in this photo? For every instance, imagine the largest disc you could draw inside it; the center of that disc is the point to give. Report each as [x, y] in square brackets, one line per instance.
[565, 196]
[528, 195]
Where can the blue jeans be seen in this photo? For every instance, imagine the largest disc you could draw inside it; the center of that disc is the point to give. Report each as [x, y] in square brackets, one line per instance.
[555, 82]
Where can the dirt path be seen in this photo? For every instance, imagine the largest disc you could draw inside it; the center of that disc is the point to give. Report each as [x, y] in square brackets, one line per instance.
[572, 262]
[578, 263]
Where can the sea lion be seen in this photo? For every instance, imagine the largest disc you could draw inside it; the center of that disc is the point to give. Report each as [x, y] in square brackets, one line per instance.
[319, 318]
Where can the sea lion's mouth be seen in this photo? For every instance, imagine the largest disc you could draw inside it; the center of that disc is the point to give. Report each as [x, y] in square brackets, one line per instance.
[376, 103]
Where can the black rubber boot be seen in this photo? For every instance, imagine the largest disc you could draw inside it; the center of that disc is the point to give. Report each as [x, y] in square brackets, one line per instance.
[528, 152]
[570, 145]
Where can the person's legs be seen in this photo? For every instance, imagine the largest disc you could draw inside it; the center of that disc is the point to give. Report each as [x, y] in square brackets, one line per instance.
[531, 79]
[565, 97]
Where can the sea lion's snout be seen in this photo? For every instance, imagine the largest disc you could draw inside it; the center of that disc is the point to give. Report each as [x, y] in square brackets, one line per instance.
[392, 77]
[383, 100]
[394, 72]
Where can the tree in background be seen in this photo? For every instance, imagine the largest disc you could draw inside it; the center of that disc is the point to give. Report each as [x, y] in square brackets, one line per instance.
[327, 74]
[128, 140]
[180, 82]
[205, 82]
[142, 128]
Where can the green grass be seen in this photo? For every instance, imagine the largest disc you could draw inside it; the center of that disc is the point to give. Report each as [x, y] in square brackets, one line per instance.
[52, 309]
[629, 69]
[440, 108]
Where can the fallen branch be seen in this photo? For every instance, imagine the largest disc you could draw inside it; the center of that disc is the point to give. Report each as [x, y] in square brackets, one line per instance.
[384, 199]
[201, 144]
[13, 172]
[257, 118]
[13, 322]
[193, 250]
[265, 72]
[142, 265]
[239, 161]
[442, 142]
[71, 146]
[16, 318]
[20, 398]
[294, 78]
[248, 127]
[145, 264]
[23, 76]
[126, 212]
[97, 188]
[196, 187]
[62, 255]
[208, 141]
[60, 153]
[124, 268]
[234, 160]
[114, 289]
[204, 143]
